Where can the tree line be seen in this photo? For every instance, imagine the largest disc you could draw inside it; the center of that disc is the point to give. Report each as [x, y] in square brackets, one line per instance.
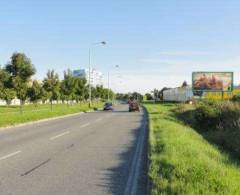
[15, 82]
[126, 96]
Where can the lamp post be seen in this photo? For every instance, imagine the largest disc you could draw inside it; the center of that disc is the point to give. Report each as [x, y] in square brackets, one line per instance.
[89, 70]
[116, 66]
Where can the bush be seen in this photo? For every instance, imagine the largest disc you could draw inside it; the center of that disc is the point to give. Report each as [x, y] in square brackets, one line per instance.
[181, 161]
[207, 115]
[236, 98]
[217, 121]
[215, 115]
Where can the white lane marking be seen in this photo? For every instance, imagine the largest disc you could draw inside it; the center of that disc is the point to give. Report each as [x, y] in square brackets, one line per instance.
[132, 183]
[10, 155]
[85, 125]
[60, 135]
[99, 119]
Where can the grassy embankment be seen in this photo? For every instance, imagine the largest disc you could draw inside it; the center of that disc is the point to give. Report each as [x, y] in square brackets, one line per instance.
[183, 162]
[12, 116]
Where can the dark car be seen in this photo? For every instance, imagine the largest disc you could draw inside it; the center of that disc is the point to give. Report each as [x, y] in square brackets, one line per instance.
[108, 106]
[133, 106]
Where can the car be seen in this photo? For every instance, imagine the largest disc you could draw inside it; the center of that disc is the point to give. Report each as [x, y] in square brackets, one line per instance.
[133, 106]
[108, 106]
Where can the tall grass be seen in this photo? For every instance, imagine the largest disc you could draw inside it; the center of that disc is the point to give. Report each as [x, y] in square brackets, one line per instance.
[183, 162]
[218, 122]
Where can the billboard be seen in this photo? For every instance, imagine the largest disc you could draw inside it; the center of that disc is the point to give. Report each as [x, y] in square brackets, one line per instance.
[212, 81]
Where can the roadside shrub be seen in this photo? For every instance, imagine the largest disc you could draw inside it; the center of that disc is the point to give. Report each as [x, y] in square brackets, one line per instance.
[207, 115]
[217, 121]
[182, 162]
[230, 116]
[236, 98]
[216, 115]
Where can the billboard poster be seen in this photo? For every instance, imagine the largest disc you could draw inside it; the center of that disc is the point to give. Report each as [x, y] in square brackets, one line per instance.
[212, 81]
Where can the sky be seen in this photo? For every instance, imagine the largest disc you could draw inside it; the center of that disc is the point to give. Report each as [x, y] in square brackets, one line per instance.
[155, 43]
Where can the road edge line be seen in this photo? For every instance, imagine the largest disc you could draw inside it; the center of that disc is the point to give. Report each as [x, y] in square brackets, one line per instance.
[132, 182]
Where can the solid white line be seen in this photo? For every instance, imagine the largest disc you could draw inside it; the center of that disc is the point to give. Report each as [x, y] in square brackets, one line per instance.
[85, 125]
[9, 155]
[131, 187]
[60, 135]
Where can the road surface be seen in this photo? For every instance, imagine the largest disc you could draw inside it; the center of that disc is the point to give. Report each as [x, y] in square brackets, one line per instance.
[91, 153]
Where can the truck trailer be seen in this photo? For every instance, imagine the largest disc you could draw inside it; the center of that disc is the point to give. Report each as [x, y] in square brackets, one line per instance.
[179, 94]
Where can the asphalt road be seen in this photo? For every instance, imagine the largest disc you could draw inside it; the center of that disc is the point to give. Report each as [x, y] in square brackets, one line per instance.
[91, 153]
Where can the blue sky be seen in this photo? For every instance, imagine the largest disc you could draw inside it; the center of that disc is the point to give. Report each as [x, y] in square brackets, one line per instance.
[156, 43]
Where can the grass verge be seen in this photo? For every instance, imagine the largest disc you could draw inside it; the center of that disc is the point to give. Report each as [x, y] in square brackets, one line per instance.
[183, 162]
[11, 115]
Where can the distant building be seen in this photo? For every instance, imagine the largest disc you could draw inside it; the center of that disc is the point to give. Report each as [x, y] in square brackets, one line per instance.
[96, 76]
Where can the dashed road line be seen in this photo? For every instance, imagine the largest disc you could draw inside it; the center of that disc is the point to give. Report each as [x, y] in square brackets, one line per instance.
[10, 155]
[99, 119]
[85, 125]
[60, 135]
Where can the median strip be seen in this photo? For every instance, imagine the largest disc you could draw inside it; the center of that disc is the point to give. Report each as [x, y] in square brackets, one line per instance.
[60, 135]
[10, 155]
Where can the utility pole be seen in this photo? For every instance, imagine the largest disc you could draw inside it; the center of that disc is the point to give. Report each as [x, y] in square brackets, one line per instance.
[90, 72]
[108, 87]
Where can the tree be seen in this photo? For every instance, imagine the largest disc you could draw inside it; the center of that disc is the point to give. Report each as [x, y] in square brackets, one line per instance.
[184, 84]
[20, 69]
[94, 92]
[155, 94]
[148, 96]
[137, 96]
[8, 95]
[2, 81]
[51, 85]
[122, 96]
[80, 89]
[68, 86]
[99, 91]
[21, 66]
[6, 92]
[34, 92]
[21, 88]
[44, 95]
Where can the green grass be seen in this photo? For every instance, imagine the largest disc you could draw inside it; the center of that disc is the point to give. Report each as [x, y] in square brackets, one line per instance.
[182, 162]
[11, 115]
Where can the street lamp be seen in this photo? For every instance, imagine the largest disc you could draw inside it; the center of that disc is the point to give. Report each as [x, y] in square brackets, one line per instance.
[116, 66]
[89, 70]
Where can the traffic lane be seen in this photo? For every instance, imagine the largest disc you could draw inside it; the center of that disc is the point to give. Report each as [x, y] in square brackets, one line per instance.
[18, 136]
[49, 144]
[98, 165]
[93, 164]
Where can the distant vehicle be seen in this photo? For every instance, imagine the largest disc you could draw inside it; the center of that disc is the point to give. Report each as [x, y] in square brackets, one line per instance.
[133, 106]
[108, 106]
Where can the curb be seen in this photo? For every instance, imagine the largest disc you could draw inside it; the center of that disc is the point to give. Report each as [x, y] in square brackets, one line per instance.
[42, 120]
